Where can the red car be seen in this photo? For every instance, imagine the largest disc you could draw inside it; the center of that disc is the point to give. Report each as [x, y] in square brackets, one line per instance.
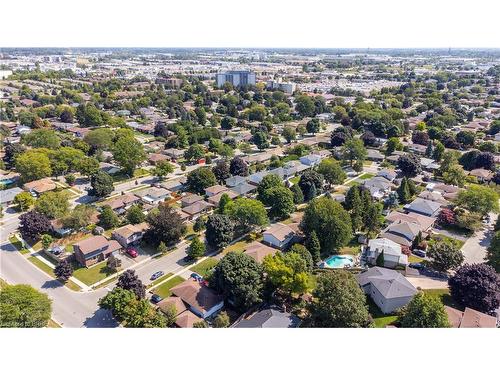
[132, 252]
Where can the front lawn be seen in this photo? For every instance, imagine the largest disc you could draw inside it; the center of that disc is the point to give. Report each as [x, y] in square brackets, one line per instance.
[159, 280]
[414, 259]
[93, 274]
[205, 266]
[444, 296]
[122, 177]
[18, 245]
[295, 180]
[48, 270]
[164, 289]
[380, 319]
[366, 176]
[240, 245]
[441, 237]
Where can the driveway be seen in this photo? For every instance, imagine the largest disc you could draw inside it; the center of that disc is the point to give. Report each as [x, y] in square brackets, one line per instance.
[427, 283]
[474, 249]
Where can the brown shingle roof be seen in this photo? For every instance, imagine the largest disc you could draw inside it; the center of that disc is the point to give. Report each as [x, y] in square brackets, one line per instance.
[186, 319]
[259, 251]
[196, 295]
[175, 302]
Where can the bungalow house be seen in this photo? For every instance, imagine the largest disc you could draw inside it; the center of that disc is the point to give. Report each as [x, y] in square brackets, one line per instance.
[40, 186]
[279, 235]
[378, 186]
[185, 318]
[258, 251]
[296, 165]
[428, 164]
[244, 189]
[482, 175]
[190, 199]
[235, 181]
[153, 195]
[391, 251]
[424, 207]
[7, 196]
[215, 199]
[425, 222]
[174, 153]
[374, 155]
[402, 233]
[388, 174]
[129, 234]
[214, 190]
[310, 160]
[470, 318]
[388, 289]
[109, 168]
[256, 178]
[200, 299]
[416, 148]
[433, 196]
[448, 192]
[122, 203]
[59, 229]
[196, 209]
[154, 159]
[269, 318]
[174, 185]
[94, 249]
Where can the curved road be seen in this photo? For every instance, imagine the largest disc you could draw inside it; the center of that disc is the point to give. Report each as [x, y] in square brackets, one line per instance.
[69, 308]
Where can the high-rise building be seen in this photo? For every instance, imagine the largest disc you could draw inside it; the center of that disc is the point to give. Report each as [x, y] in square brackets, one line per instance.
[236, 77]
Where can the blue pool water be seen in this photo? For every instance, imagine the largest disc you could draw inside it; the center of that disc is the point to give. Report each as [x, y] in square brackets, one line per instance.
[339, 261]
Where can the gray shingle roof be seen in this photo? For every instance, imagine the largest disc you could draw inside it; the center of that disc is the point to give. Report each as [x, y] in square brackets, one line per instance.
[389, 283]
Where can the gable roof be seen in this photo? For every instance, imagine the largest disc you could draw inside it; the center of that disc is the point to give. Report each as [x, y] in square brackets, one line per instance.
[269, 318]
[186, 319]
[424, 206]
[386, 245]
[197, 295]
[280, 231]
[258, 251]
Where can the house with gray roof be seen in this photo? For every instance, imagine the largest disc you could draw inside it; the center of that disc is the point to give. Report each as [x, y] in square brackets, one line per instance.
[235, 181]
[244, 189]
[269, 318]
[378, 186]
[388, 289]
[401, 232]
[424, 207]
[8, 195]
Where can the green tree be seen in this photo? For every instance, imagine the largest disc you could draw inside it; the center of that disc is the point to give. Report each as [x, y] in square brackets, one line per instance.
[445, 256]
[339, 302]
[269, 181]
[196, 248]
[199, 179]
[80, 217]
[53, 204]
[219, 231]
[354, 150]
[281, 202]
[331, 171]
[479, 199]
[42, 138]
[128, 153]
[449, 159]
[108, 219]
[162, 248]
[221, 320]
[289, 134]
[99, 139]
[455, 175]
[304, 105]
[249, 213]
[24, 201]
[194, 153]
[162, 169]
[438, 151]
[493, 252]
[393, 144]
[304, 254]
[165, 224]
[404, 195]
[330, 221]
[22, 306]
[298, 196]
[46, 241]
[63, 270]
[223, 202]
[239, 278]
[380, 261]
[313, 126]
[102, 184]
[88, 166]
[314, 246]
[424, 311]
[287, 272]
[135, 214]
[200, 324]
[33, 165]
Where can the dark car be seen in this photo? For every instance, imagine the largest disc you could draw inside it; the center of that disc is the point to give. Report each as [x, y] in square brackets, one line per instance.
[197, 277]
[417, 266]
[155, 298]
[420, 253]
[156, 275]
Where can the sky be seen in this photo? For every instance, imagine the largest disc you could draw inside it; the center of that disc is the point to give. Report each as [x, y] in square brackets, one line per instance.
[251, 23]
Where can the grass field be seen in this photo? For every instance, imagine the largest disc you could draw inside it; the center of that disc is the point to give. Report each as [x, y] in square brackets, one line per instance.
[164, 289]
[46, 268]
[203, 267]
[93, 274]
[452, 241]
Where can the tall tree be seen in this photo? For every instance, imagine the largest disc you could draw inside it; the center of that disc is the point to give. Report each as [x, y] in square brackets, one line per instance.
[33, 224]
[314, 246]
[102, 184]
[332, 171]
[221, 171]
[22, 306]
[199, 179]
[108, 218]
[164, 225]
[53, 204]
[424, 311]
[128, 280]
[286, 272]
[477, 198]
[444, 256]
[196, 248]
[63, 270]
[128, 153]
[339, 302]
[409, 165]
[238, 167]
[219, 231]
[248, 213]
[493, 252]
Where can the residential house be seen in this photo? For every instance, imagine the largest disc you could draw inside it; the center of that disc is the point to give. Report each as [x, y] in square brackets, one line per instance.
[200, 299]
[174, 153]
[190, 199]
[215, 199]
[94, 249]
[433, 196]
[402, 233]
[109, 168]
[388, 174]
[448, 192]
[425, 222]
[7, 196]
[470, 318]
[388, 289]
[258, 251]
[482, 175]
[196, 209]
[154, 159]
[310, 160]
[214, 190]
[391, 251]
[235, 181]
[379, 187]
[40, 186]
[256, 178]
[269, 318]
[429, 164]
[424, 207]
[244, 189]
[279, 235]
[129, 234]
[122, 203]
[153, 195]
[374, 155]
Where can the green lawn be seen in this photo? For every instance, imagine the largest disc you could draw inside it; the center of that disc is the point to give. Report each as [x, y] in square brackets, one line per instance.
[444, 296]
[122, 177]
[380, 319]
[46, 268]
[18, 245]
[93, 274]
[164, 289]
[295, 180]
[352, 248]
[203, 267]
[452, 241]
[240, 245]
[366, 176]
[159, 280]
[414, 259]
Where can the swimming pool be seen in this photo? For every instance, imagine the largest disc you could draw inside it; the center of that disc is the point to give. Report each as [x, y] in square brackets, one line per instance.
[339, 261]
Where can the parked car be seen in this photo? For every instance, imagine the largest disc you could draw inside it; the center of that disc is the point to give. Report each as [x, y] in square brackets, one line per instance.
[156, 275]
[417, 266]
[420, 253]
[197, 277]
[155, 298]
[132, 252]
